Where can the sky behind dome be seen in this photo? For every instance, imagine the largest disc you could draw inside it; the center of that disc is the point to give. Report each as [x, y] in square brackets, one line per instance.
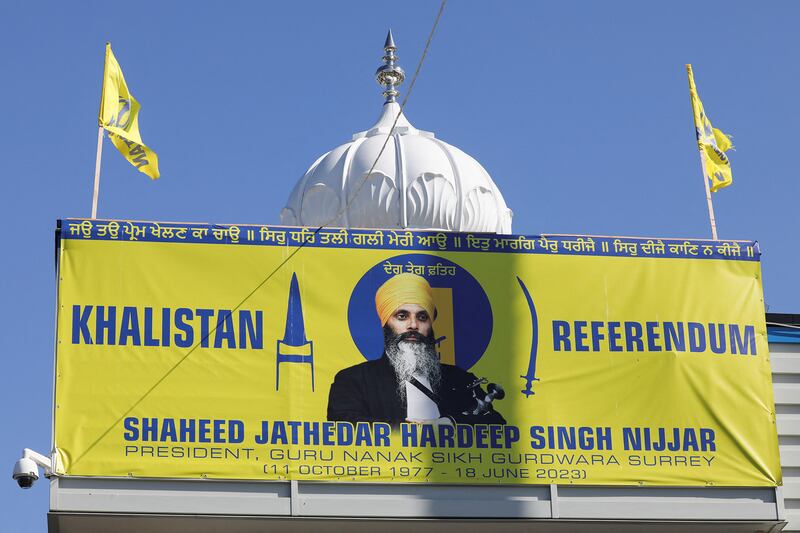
[578, 110]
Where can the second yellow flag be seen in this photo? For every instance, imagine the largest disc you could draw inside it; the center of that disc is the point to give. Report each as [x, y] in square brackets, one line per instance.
[712, 143]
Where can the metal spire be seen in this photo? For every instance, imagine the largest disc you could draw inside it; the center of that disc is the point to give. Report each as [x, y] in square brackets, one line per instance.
[390, 75]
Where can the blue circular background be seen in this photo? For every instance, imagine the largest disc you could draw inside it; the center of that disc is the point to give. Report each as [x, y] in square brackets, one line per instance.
[472, 322]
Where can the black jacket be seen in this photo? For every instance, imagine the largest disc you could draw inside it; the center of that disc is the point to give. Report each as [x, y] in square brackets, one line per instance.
[367, 392]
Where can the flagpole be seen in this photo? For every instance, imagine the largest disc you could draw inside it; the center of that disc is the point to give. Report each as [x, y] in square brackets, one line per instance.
[97, 171]
[711, 218]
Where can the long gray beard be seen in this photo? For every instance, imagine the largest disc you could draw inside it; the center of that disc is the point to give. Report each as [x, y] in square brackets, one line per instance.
[409, 358]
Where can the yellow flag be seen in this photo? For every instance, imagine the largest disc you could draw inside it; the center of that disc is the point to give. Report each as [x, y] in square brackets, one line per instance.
[119, 116]
[712, 143]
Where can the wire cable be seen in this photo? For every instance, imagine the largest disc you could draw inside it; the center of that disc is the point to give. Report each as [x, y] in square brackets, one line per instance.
[792, 326]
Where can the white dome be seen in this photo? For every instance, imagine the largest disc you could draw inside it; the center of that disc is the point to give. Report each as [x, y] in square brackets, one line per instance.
[420, 182]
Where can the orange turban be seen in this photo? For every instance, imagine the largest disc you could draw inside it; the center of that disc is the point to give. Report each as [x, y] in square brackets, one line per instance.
[402, 289]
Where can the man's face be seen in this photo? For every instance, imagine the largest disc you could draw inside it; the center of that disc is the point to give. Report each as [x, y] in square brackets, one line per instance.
[411, 319]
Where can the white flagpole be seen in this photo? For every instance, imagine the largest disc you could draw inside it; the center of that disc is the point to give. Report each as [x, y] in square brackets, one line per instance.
[708, 199]
[97, 171]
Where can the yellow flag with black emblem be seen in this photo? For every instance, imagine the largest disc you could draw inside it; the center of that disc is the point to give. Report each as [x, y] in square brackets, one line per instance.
[712, 143]
[119, 116]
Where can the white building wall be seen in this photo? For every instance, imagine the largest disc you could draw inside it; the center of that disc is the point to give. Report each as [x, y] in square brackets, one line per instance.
[785, 360]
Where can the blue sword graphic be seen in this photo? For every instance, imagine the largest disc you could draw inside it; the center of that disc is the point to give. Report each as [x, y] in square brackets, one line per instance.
[530, 377]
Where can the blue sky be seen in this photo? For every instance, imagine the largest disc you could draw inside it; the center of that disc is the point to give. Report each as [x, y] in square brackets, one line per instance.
[579, 110]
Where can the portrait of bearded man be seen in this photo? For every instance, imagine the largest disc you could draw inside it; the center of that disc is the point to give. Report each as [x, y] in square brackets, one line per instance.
[408, 383]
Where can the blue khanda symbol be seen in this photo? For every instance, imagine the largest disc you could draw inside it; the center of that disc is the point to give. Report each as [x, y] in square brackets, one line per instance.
[123, 117]
[708, 131]
[463, 325]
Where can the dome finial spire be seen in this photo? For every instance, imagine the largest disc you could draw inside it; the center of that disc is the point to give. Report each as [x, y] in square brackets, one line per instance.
[389, 41]
[390, 75]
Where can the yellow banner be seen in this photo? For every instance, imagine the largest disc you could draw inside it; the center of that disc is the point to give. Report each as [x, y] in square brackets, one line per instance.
[255, 352]
[119, 116]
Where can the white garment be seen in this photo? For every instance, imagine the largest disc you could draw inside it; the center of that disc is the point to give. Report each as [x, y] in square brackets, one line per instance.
[420, 407]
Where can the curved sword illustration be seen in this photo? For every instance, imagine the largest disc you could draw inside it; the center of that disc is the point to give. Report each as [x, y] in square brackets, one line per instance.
[530, 377]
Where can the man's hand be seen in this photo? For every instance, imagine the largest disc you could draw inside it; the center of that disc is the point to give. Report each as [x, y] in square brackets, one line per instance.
[441, 421]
